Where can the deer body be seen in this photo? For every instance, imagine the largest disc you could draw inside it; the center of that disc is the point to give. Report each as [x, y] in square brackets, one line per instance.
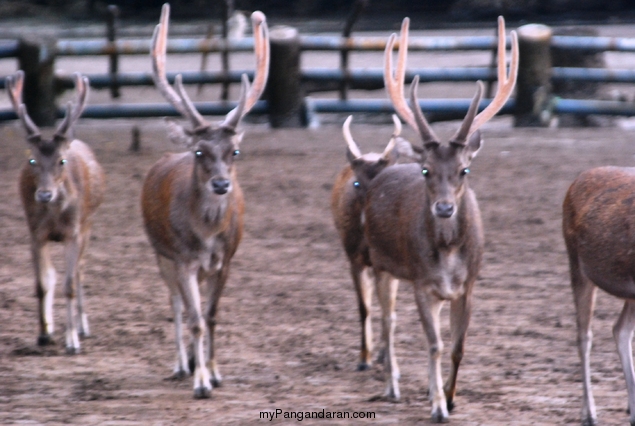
[598, 222]
[193, 207]
[423, 224]
[61, 186]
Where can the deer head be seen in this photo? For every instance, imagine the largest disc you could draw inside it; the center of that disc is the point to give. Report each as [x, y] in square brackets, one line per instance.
[213, 146]
[48, 156]
[445, 166]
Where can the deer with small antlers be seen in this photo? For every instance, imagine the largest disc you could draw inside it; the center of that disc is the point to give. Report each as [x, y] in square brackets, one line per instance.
[347, 203]
[193, 206]
[598, 219]
[423, 223]
[61, 186]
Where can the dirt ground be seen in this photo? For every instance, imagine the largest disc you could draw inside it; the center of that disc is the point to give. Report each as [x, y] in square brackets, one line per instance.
[288, 335]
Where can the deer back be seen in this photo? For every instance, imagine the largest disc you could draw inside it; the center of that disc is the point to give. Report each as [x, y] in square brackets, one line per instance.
[599, 227]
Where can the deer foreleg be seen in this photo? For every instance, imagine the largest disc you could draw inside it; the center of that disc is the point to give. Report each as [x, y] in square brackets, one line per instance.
[188, 285]
[584, 297]
[84, 329]
[45, 278]
[215, 285]
[460, 313]
[623, 334]
[429, 311]
[387, 295]
[168, 273]
[73, 252]
[364, 291]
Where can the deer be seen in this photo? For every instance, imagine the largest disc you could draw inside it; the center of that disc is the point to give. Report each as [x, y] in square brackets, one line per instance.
[423, 223]
[61, 186]
[347, 202]
[192, 205]
[597, 216]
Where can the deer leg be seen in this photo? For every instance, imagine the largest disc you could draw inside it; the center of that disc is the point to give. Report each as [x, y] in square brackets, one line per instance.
[623, 334]
[72, 254]
[429, 311]
[84, 330]
[387, 295]
[168, 273]
[363, 290]
[188, 284]
[215, 285]
[584, 298]
[460, 312]
[45, 278]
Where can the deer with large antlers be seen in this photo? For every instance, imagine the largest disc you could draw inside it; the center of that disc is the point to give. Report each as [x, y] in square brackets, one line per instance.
[61, 186]
[347, 203]
[193, 206]
[598, 220]
[423, 223]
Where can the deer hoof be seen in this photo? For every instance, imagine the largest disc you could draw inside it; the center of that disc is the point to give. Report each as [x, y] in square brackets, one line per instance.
[451, 405]
[216, 382]
[71, 350]
[202, 393]
[439, 417]
[45, 340]
[363, 366]
[591, 421]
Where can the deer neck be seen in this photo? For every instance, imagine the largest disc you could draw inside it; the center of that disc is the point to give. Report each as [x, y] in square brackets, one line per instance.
[446, 234]
[209, 212]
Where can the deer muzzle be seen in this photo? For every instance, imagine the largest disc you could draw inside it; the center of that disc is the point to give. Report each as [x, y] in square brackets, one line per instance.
[221, 186]
[444, 209]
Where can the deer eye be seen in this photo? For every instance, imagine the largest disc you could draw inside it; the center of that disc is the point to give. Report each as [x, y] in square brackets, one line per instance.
[465, 171]
[63, 161]
[425, 171]
[356, 184]
[198, 153]
[32, 162]
[236, 152]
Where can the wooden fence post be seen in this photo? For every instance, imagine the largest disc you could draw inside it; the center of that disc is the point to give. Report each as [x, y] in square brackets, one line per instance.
[284, 90]
[533, 87]
[113, 60]
[36, 57]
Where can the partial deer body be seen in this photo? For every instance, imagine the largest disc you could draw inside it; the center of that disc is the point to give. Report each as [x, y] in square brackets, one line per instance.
[193, 207]
[423, 225]
[347, 203]
[598, 221]
[61, 186]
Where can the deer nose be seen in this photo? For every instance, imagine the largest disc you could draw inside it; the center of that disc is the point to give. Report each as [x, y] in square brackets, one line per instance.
[444, 210]
[221, 186]
[43, 196]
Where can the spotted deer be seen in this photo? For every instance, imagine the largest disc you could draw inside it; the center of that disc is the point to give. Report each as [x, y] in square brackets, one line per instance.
[193, 206]
[61, 186]
[598, 220]
[347, 202]
[423, 223]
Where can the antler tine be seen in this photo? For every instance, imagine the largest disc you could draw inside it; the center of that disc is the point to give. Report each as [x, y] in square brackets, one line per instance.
[398, 127]
[346, 131]
[506, 82]
[425, 131]
[15, 85]
[73, 113]
[461, 135]
[257, 87]
[394, 85]
[393, 138]
[181, 101]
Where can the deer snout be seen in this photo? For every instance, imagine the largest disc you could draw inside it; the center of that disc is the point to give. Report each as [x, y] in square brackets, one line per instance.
[443, 209]
[43, 196]
[221, 186]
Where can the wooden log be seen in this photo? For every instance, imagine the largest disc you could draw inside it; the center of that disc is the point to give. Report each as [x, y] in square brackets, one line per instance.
[284, 90]
[36, 57]
[533, 87]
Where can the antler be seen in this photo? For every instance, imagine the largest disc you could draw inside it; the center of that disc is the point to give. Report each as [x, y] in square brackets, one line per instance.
[249, 96]
[506, 82]
[354, 148]
[394, 84]
[73, 113]
[14, 85]
[179, 98]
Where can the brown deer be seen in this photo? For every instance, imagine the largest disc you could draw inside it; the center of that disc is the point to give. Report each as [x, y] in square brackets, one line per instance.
[598, 219]
[423, 223]
[61, 186]
[193, 206]
[347, 202]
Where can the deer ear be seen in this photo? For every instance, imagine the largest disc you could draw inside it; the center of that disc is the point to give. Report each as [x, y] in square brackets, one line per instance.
[405, 149]
[474, 144]
[177, 134]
